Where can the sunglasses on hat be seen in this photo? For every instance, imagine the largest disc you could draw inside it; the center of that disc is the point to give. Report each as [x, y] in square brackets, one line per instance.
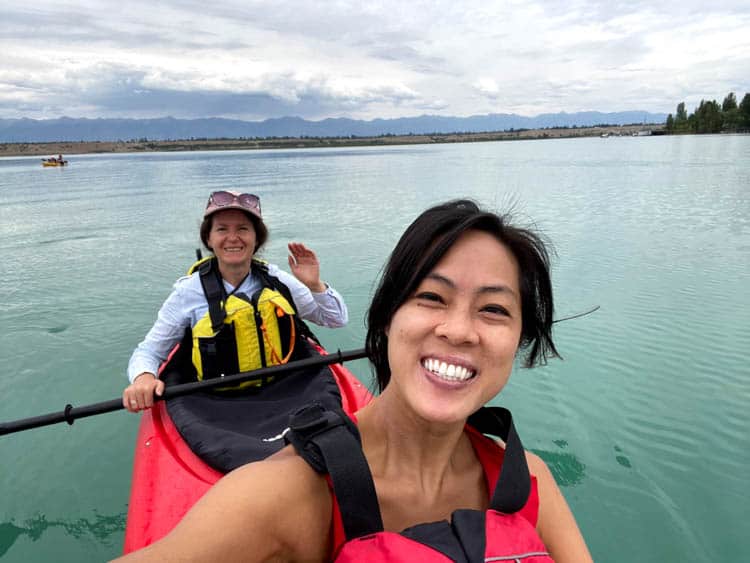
[223, 198]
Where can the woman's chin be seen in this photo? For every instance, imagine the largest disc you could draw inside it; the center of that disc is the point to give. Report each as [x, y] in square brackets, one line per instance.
[444, 413]
[234, 260]
[446, 402]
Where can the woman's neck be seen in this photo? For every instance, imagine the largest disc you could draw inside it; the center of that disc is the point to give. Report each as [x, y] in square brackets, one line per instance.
[422, 471]
[398, 442]
[234, 274]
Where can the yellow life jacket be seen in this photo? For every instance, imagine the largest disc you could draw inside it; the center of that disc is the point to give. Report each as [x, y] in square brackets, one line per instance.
[241, 333]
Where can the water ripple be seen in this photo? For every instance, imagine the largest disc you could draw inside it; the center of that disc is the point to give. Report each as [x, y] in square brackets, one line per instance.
[101, 528]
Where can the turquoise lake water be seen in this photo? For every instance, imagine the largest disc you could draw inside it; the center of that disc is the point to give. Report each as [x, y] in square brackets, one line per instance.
[645, 423]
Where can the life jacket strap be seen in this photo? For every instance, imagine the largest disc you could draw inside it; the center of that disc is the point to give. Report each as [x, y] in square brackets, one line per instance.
[329, 441]
[275, 357]
[514, 483]
[261, 269]
[213, 289]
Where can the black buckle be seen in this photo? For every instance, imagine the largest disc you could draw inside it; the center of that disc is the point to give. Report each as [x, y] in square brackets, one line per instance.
[304, 426]
[311, 419]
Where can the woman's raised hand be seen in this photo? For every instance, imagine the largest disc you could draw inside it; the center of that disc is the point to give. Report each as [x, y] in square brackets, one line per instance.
[305, 266]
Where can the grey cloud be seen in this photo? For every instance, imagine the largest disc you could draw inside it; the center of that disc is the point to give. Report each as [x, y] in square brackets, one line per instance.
[311, 105]
[594, 11]
[411, 58]
[426, 48]
[80, 27]
[107, 90]
[376, 32]
[324, 21]
[613, 53]
[676, 11]
[45, 27]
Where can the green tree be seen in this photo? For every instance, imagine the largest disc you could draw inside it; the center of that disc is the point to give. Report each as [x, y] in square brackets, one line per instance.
[681, 118]
[708, 118]
[730, 102]
[744, 112]
[670, 124]
[730, 112]
[731, 119]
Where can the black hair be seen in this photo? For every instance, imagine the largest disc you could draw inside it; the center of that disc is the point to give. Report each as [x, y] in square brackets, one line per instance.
[261, 231]
[422, 246]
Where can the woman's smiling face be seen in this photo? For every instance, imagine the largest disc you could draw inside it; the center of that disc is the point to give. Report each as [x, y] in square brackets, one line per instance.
[232, 237]
[452, 344]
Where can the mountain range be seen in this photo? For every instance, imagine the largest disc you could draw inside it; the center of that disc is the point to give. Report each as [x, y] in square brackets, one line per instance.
[168, 128]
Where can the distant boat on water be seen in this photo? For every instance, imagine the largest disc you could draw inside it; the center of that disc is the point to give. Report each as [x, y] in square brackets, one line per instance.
[52, 161]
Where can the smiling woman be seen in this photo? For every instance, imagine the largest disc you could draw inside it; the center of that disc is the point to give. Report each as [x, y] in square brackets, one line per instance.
[221, 292]
[471, 303]
[412, 475]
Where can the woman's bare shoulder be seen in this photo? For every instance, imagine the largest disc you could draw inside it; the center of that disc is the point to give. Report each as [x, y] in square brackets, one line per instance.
[275, 509]
[537, 466]
[556, 525]
[283, 471]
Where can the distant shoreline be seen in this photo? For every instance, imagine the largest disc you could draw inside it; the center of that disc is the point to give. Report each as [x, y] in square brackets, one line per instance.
[89, 147]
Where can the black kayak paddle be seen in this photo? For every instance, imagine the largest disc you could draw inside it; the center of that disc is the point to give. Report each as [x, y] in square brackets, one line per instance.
[71, 413]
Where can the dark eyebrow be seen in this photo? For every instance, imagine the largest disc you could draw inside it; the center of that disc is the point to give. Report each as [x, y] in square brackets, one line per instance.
[482, 290]
[227, 222]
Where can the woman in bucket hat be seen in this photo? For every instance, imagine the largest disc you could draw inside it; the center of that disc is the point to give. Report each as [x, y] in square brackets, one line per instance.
[233, 230]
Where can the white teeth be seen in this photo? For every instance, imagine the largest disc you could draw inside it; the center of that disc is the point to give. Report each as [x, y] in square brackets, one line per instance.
[449, 372]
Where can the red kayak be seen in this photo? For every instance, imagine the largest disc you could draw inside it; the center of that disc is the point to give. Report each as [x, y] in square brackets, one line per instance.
[168, 478]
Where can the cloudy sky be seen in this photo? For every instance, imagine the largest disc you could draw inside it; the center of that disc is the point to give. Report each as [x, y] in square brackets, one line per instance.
[252, 60]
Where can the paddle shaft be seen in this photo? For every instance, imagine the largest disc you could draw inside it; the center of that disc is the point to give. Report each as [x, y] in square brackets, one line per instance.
[70, 413]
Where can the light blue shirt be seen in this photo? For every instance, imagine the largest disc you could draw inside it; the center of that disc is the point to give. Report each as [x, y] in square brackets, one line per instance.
[187, 304]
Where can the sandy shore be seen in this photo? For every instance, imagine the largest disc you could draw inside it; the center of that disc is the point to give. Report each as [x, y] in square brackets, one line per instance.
[71, 148]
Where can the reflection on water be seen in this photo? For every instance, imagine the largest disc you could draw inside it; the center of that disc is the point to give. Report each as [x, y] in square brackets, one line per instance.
[566, 468]
[101, 528]
[621, 459]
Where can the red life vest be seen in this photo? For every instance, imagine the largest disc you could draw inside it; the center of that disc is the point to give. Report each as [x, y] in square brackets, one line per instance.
[329, 442]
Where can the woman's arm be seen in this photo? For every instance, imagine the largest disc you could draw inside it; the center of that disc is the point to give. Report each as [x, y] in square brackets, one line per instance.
[167, 331]
[556, 525]
[278, 509]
